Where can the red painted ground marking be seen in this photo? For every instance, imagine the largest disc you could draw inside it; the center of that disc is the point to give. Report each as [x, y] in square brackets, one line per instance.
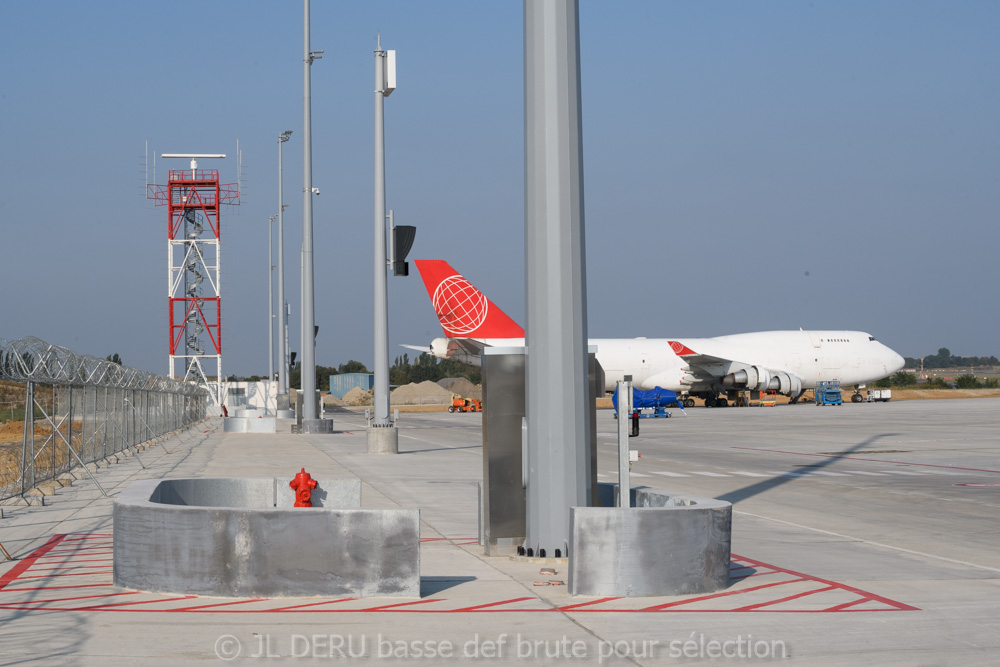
[752, 574]
[871, 597]
[70, 567]
[86, 551]
[71, 574]
[754, 607]
[572, 607]
[480, 607]
[842, 607]
[218, 604]
[394, 607]
[57, 588]
[979, 484]
[715, 596]
[299, 607]
[81, 597]
[106, 607]
[740, 568]
[23, 565]
[857, 458]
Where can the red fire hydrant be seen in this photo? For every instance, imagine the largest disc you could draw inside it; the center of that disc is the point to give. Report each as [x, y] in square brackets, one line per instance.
[303, 484]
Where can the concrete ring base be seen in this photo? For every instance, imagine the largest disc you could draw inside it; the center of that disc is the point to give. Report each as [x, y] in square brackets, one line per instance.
[383, 440]
[317, 426]
[242, 538]
[665, 544]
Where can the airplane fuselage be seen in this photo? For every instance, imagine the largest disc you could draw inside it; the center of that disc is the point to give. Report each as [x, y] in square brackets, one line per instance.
[852, 357]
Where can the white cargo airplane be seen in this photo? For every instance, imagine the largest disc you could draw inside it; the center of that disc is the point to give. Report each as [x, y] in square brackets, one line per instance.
[785, 361]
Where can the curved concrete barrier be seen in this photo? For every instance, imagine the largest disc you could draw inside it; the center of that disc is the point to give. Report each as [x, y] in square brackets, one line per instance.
[666, 544]
[249, 425]
[242, 537]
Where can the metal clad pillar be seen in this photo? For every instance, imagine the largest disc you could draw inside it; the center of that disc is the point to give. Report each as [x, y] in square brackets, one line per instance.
[308, 369]
[555, 276]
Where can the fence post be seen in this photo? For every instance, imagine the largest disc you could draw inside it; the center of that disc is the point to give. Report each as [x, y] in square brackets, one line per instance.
[28, 457]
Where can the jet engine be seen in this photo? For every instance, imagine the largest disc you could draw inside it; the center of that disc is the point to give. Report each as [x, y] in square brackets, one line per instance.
[786, 383]
[442, 348]
[751, 377]
[755, 377]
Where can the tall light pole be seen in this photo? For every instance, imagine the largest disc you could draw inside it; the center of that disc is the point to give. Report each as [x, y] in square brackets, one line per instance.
[382, 434]
[283, 319]
[310, 422]
[270, 304]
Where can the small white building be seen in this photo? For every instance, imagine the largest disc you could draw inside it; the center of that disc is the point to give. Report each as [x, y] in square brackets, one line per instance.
[242, 395]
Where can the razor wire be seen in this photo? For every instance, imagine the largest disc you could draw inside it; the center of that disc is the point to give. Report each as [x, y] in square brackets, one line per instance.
[31, 359]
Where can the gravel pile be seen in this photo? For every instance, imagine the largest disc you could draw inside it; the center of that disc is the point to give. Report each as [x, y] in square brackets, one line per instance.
[424, 393]
[462, 387]
[357, 396]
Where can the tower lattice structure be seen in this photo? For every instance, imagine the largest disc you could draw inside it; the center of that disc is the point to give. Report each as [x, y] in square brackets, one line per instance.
[193, 198]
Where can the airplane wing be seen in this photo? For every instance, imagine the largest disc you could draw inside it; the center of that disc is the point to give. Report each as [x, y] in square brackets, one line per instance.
[730, 372]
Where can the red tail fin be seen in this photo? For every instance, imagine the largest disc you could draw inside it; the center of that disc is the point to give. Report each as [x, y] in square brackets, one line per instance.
[464, 311]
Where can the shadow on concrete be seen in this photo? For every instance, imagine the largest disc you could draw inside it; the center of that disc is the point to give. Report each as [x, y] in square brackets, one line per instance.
[774, 482]
[434, 585]
[439, 449]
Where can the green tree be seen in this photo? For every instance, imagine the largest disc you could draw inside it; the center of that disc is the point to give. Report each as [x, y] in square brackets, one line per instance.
[352, 366]
[399, 372]
[967, 381]
[323, 374]
[903, 379]
[114, 358]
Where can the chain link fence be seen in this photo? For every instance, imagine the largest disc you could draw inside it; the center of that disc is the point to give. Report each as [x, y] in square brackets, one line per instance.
[60, 410]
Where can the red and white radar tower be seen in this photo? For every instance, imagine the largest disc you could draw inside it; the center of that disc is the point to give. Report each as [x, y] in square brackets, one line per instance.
[194, 298]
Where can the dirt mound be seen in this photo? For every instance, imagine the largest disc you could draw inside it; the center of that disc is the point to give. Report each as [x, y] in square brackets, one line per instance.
[330, 399]
[424, 393]
[462, 387]
[357, 396]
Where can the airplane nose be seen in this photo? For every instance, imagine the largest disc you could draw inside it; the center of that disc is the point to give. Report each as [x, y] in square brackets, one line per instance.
[898, 362]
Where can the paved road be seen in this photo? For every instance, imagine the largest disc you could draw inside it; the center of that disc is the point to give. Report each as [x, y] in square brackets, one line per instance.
[860, 533]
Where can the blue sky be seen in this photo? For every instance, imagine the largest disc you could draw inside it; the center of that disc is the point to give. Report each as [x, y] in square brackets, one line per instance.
[751, 166]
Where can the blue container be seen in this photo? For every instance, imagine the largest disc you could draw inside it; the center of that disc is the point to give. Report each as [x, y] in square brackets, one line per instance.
[343, 383]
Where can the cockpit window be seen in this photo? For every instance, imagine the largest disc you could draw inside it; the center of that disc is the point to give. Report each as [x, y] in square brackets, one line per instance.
[871, 338]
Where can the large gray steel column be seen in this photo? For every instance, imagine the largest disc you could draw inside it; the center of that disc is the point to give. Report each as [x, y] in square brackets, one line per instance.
[382, 436]
[555, 276]
[308, 368]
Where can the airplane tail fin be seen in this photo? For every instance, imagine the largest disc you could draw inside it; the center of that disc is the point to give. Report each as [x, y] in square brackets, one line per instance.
[464, 311]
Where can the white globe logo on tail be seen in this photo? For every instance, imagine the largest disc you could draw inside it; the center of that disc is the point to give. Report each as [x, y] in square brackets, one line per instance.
[460, 306]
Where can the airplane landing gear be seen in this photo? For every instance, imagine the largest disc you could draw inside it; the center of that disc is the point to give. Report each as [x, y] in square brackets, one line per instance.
[856, 397]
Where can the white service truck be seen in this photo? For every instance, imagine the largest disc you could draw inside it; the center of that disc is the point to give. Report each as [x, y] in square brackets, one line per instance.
[879, 395]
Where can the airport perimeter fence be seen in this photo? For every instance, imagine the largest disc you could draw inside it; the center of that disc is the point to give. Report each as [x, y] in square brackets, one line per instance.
[60, 410]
